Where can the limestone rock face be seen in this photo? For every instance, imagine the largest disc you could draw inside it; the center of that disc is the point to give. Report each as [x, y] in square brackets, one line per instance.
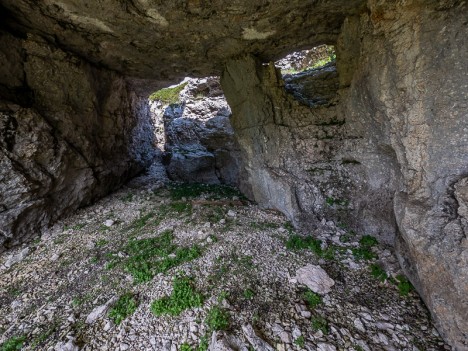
[198, 138]
[173, 39]
[67, 136]
[388, 158]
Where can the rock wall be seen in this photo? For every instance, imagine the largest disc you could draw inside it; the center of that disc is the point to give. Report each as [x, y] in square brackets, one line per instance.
[389, 159]
[197, 136]
[67, 135]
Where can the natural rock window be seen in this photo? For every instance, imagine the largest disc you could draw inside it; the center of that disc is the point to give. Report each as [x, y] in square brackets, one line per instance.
[311, 75]
[192, 128]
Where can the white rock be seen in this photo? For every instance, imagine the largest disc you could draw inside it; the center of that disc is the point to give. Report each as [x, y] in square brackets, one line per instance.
[68, 346]
[109, 223]
[315, 278]
[231, 213]
[257, 343]
[99, 311]
[325, 347]
[358, 325]
[14, 259]
[222, 221]
[55, 257]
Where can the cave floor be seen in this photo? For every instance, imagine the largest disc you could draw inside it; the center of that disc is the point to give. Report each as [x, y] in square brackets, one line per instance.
[90, 282]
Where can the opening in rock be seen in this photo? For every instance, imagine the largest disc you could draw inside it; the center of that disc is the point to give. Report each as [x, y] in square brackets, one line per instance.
[193, 130]
[310, 75]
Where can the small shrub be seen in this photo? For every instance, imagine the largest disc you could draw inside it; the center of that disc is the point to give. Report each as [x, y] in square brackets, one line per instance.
[312, 299]
[404, 285]
[289, 227]
[168, 95]
[300, 341]
[204, 344]
[13, 344]
[127, 198]
[364, 251]
[184, 296]
[212, 191]
[378, 272]
[148, 257]
[101, 242]
[217, 319]
[320, 323]
[368, 241]
[248, 294]
[185, 347]
[124, 307]
[296, 242]
[141, 221]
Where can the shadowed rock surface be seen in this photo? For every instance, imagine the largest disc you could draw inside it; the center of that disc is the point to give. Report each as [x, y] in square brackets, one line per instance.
[387, 158]
[196, 134]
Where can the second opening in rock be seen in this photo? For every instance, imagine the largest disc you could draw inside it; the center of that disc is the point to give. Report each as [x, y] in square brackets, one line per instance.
[192, 128]
[311, 76]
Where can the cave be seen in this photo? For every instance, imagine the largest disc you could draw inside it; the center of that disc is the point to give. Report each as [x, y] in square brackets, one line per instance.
[376, 143]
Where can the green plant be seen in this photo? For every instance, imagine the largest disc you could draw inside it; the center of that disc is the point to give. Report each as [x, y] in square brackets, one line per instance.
[223, 295]
[296, 242]
[185, 347]
[404, 285]
[378, 272]
[78, 226]
[319, 323]
[124, 307]
[148, 257]
[289, 227]
[248, 294]
[101, 242]
[211, 191]
[168, 95]
[368, 241]
[217, 319]
[183, 296]
[364, 251]
[141, 221]
[13, 344]
[127, 198]
[312, 299]
[264, 225]
[330, 201]
[204, 344]
[300, 341]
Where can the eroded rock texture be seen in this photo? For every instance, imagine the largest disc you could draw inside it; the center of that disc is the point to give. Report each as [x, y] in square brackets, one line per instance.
[387, 156]
[197, 136]
[67, 136]
[388, 159]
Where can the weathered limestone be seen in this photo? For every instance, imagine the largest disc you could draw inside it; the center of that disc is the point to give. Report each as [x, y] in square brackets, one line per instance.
[196, 134]
[387, 157]
[66, 136]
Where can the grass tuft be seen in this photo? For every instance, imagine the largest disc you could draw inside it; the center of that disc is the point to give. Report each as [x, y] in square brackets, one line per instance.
[312, 299]
[168, 95]
[148, 257]
[184, 296]
[297, 242]
[124, 307]
[13, 344]
[217, 319]
[320, 323]
[212, 191]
